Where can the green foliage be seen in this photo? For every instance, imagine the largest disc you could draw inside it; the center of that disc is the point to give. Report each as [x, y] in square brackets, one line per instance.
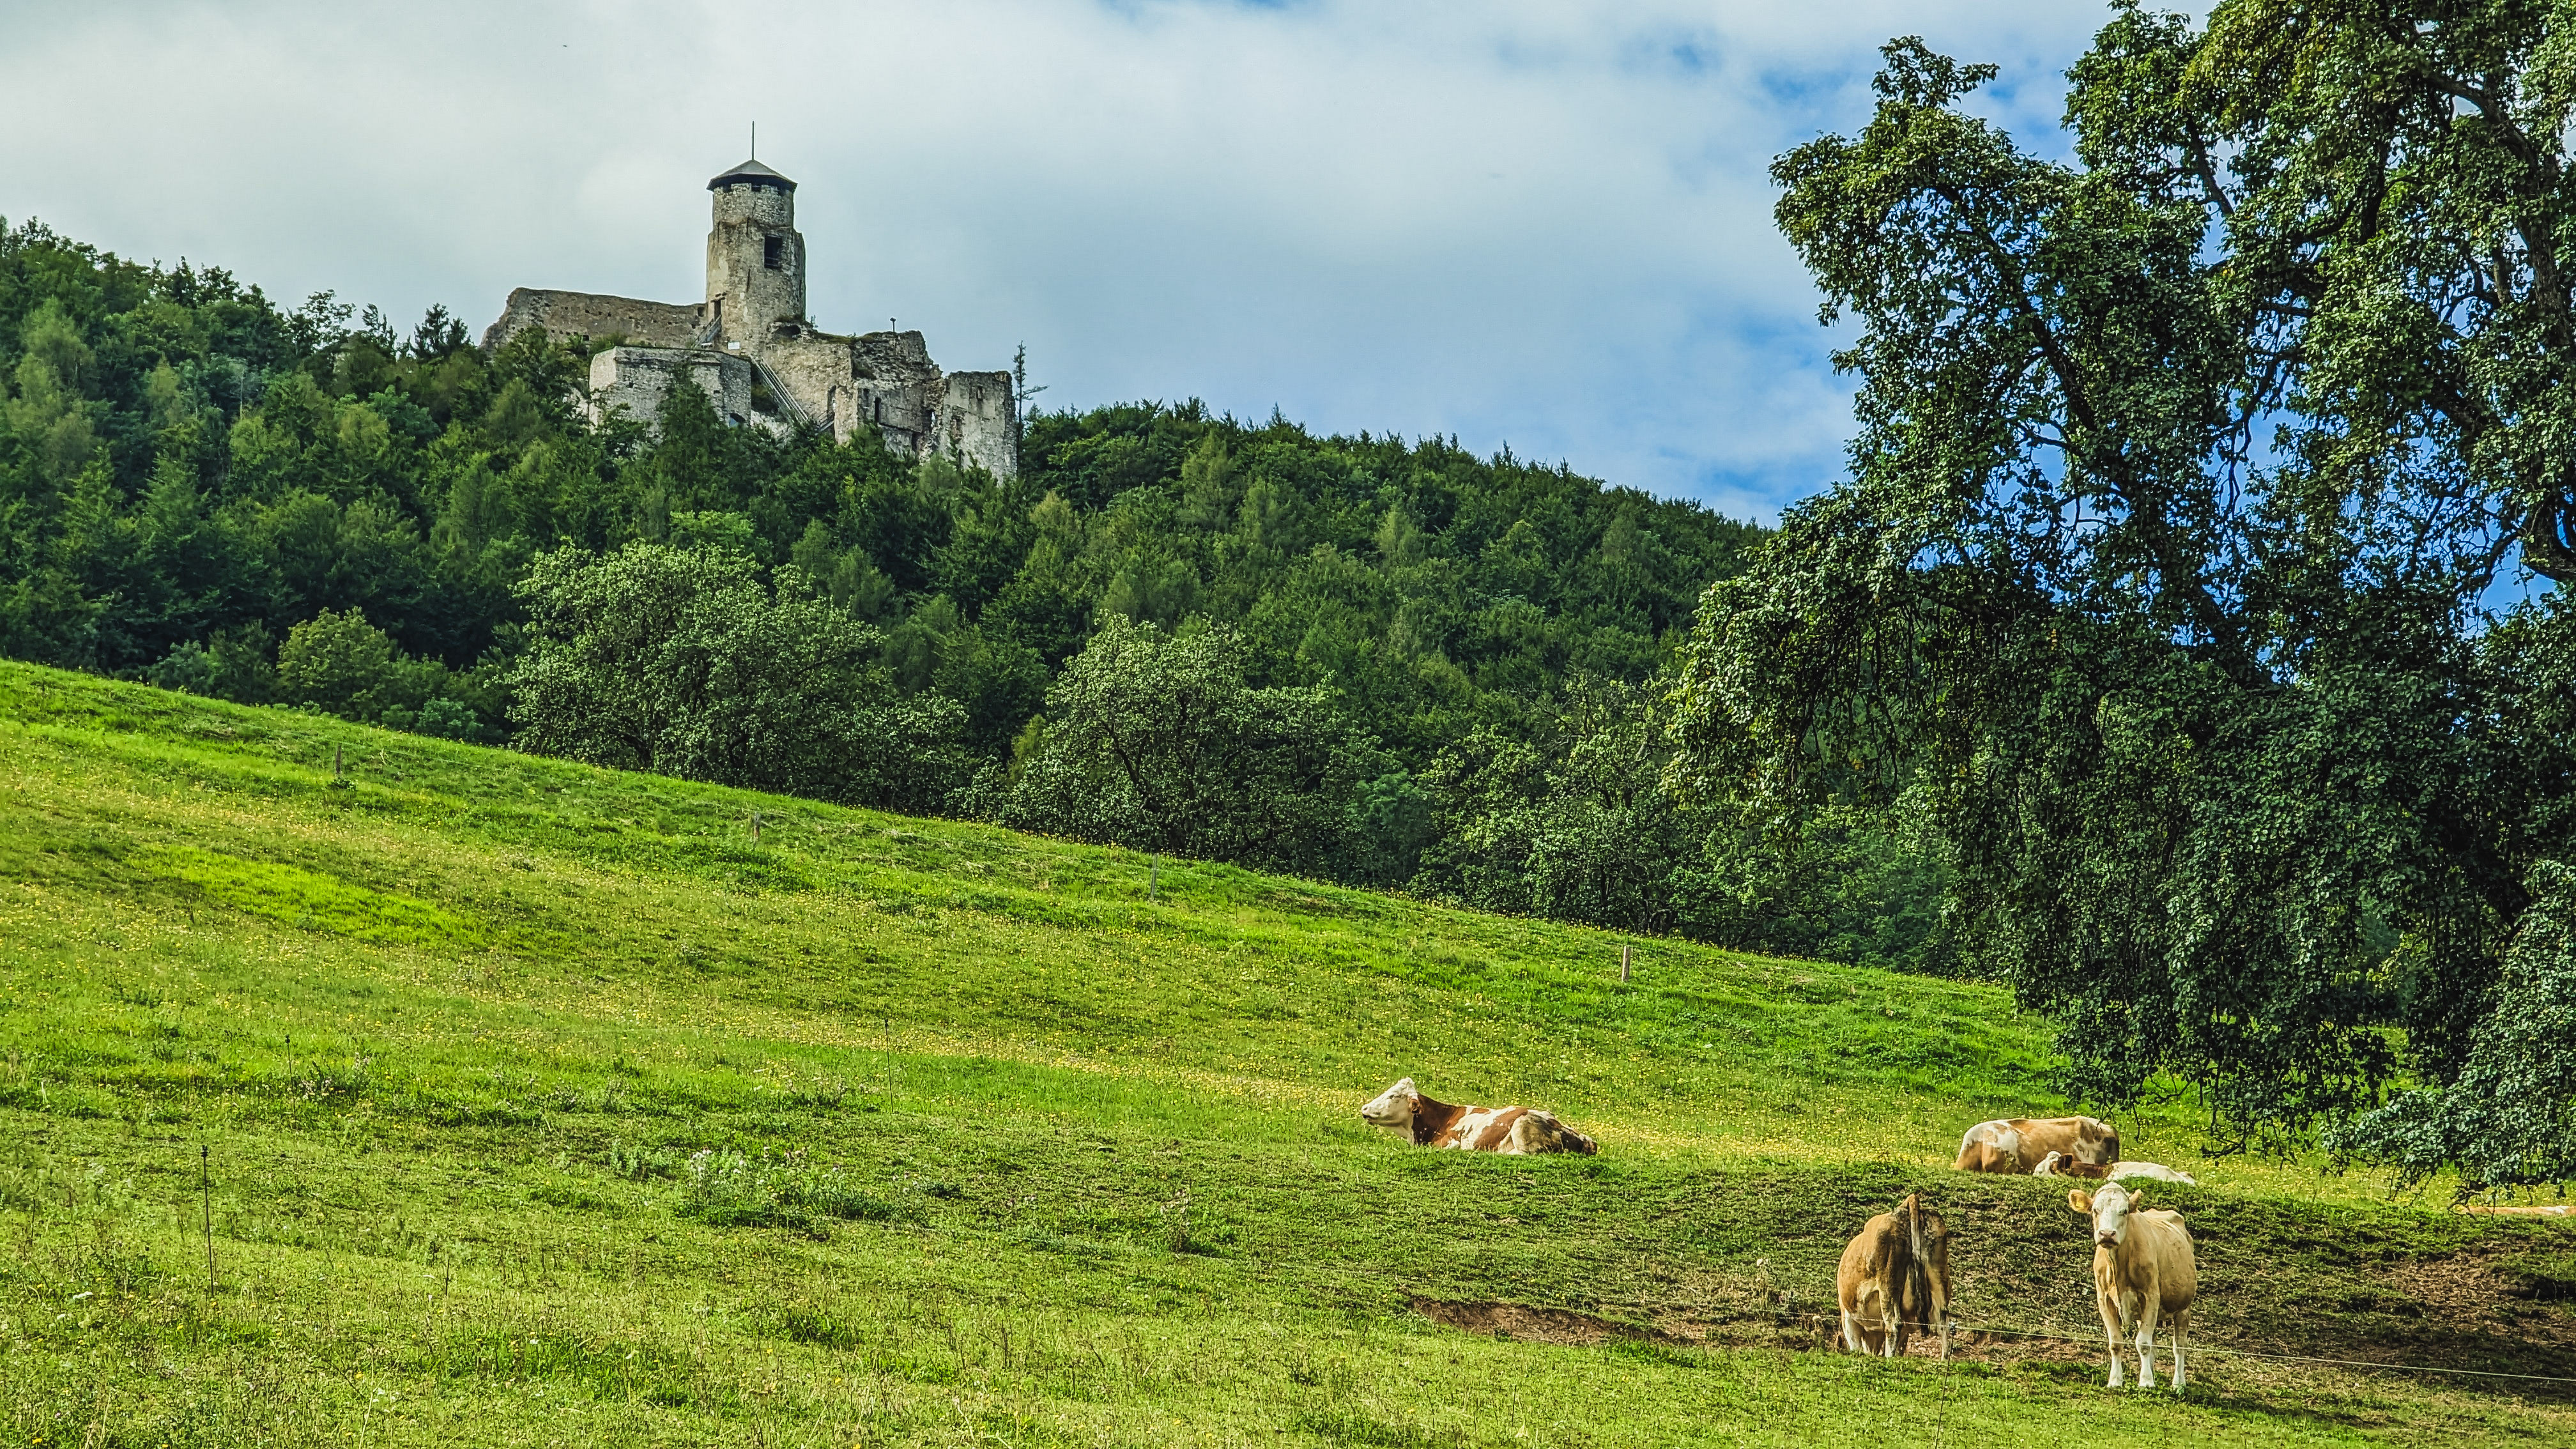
[335, 660]
[1850, 885]
[342, 663]
[2159, 586]
[1580, 823]
[181, 462]
[1577, 827]
[735, 1190]
[2509, 1118]
[1161, 742]
[682, 661]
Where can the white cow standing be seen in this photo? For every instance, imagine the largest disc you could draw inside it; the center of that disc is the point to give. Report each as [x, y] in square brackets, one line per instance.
[2143, 1273]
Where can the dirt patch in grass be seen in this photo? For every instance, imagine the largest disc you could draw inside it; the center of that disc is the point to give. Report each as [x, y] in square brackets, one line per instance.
[1493, 1318]
[2472, 1310]
[2486, 1295]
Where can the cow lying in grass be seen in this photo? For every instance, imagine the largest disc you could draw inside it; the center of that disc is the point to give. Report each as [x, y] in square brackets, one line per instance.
[1895, 1280]
[2018, 1144]
[2143, 1274]
[2058, 1164]
[1513, 1130]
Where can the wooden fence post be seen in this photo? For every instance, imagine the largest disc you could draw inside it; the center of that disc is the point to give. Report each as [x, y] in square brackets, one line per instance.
[206, 1188]
[1623, 964]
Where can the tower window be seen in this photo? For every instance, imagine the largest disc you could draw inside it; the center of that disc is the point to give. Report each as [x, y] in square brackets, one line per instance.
[773, 253]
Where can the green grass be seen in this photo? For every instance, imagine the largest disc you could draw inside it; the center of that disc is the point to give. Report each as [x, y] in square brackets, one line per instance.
[543, 1105]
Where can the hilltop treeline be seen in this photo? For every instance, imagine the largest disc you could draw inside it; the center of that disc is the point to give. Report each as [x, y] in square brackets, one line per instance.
[1357, 658]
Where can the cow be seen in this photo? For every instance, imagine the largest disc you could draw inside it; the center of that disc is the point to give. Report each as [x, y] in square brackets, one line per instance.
[2017, 1144]
[2143, 1273]
[2058, 1164]
[1895, 1279]
[1516, 1131]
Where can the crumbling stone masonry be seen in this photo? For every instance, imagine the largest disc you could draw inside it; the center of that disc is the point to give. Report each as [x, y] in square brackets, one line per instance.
[751, 347]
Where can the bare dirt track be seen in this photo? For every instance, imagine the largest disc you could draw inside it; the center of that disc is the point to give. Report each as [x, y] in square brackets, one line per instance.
[2488, 1310]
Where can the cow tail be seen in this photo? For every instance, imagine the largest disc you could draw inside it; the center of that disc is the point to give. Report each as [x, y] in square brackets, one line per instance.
[1916, 1304]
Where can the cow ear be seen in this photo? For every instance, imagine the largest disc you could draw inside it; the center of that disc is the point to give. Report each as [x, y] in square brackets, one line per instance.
[2080, 1200]
[2137, 1198]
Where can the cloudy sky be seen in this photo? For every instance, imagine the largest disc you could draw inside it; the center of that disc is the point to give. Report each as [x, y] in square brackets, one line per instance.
[1541, 224]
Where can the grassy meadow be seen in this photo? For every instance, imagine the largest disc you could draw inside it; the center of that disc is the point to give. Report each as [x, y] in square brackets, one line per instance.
[530, 1104]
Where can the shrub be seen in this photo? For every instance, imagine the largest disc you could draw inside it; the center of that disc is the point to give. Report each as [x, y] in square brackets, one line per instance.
[731, 1190]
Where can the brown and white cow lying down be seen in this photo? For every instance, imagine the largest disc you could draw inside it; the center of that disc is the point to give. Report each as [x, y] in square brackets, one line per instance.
[2143, 1274]
[2058, 1164]
[1513, 1130]
[2018, 1144]
[1895, 1280]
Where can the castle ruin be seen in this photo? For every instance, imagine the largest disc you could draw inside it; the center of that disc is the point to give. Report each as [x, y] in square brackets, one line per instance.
[758, 357]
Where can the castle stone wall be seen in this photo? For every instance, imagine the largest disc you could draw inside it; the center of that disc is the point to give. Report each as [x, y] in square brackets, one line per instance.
[591, 314]
[975, 421]
[637, 379]
[753, 326]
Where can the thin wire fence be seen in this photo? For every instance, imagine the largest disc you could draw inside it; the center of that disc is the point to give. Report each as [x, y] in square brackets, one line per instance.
[2196, 1349]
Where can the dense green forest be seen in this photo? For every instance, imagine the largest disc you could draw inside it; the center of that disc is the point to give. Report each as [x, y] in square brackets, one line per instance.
[1356, 658]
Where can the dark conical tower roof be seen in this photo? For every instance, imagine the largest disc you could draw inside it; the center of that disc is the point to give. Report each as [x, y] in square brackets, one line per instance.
[751, 173]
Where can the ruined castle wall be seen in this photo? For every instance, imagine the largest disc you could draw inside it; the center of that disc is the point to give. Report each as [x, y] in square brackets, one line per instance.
[590, 314]
[975, 421]
[898, 388]
[752, 331]
[637, 379]
[894, 356]
[814, 371]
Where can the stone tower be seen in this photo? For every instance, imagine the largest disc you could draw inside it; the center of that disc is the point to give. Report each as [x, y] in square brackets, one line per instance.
[755, 256]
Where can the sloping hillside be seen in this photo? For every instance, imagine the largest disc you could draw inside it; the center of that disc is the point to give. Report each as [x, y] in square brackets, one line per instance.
[541, 1104]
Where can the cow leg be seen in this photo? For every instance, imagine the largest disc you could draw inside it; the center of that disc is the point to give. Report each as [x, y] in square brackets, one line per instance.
[2180, 1328]
[1851, 1333]
[2110, 1331]
[2147, 1342]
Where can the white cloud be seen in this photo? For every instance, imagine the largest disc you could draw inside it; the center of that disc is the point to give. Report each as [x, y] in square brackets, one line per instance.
[1547, 224]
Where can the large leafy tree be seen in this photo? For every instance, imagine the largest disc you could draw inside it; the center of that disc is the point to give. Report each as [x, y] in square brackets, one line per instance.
[1576, 826]
[1159, 741]
[2191, 474]
[681, 661]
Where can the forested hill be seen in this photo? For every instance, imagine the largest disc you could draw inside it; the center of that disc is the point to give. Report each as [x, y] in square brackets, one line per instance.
[1434, 588]
[1355, 657]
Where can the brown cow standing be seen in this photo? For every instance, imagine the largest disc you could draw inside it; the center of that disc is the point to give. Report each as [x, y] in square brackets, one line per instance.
[2017, 1144]
[2143, 1273]
[1894, 1279]
[1510, 1130]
